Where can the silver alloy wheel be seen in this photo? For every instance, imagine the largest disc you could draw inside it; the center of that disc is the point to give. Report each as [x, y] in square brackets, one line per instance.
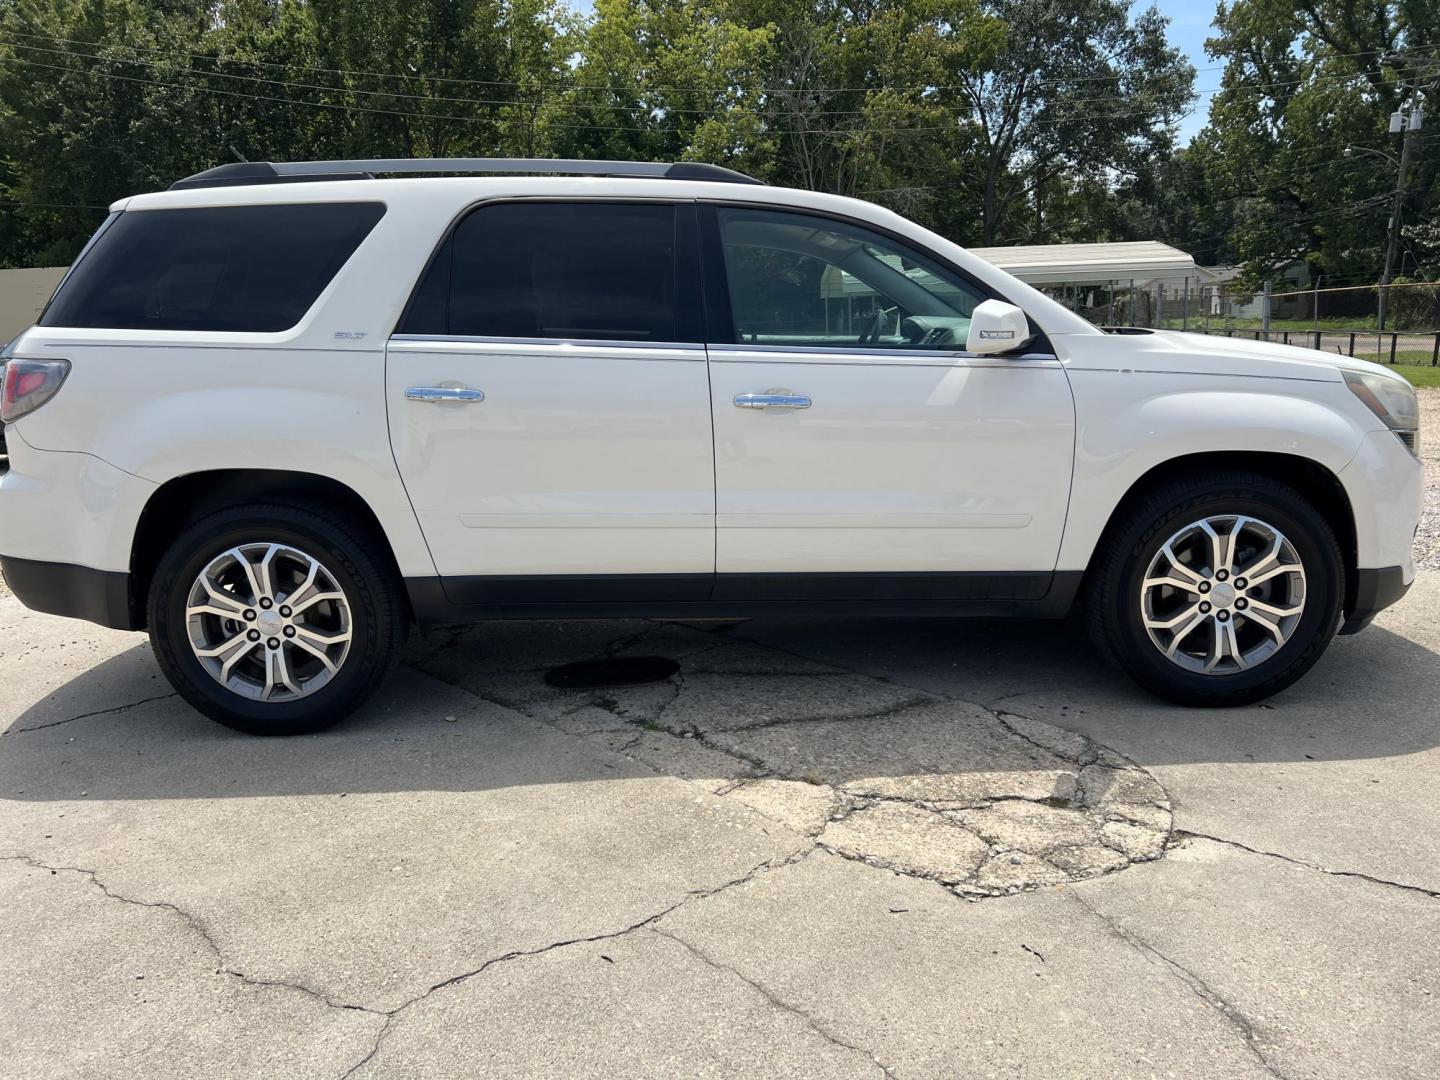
[268, 622]
[1223, 594]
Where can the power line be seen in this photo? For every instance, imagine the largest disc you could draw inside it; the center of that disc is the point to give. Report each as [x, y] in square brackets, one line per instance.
[564, 88]
[51, 205]
[235, 94]
[428, 116]
[337, 106]
[510, 102]
[698, 89]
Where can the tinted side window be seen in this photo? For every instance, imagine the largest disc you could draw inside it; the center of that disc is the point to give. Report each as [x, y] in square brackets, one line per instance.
[598, 271]
[256, 268]
[806, 281]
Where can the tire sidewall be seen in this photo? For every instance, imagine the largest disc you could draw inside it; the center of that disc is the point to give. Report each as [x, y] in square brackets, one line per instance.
[175, 576]
[1319, 554]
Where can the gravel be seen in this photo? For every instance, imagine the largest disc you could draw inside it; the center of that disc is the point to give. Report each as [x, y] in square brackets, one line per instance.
[1427, 539]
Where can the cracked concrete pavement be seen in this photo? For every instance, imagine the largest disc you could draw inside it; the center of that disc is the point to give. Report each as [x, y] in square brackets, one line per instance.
[879, 848]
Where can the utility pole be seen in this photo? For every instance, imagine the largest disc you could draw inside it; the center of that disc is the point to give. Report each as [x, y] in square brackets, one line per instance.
[1409, 121]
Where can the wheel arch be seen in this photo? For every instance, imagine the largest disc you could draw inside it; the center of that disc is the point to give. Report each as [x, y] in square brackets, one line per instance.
[1320, 486]
[185, 499]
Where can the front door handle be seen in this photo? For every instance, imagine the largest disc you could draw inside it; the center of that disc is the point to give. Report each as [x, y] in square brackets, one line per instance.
[459, 394]
[772, 399]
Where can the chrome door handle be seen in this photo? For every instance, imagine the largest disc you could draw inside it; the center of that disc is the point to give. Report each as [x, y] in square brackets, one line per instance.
[772, 400]
[443, 393]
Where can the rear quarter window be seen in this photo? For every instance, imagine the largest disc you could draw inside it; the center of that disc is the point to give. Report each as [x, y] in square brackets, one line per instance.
[235, 268]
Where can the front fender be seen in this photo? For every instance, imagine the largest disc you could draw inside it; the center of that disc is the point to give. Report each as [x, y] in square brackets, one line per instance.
[1131, 422]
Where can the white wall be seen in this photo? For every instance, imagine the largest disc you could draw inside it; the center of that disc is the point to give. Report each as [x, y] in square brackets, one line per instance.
[22, 294]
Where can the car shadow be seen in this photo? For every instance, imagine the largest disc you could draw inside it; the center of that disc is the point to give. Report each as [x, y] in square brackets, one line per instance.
[878, 698]
[1370, 696]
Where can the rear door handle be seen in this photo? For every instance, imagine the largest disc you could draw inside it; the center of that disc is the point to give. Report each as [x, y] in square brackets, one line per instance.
[772, 400]
[459, 394]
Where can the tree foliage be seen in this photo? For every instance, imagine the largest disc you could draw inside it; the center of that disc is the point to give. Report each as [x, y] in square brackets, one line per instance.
[993, 121]
[1297, 161]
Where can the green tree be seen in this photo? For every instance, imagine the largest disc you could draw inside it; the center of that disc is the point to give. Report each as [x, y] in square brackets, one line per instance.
[665, 79]
[1296, 144]
[1075, 93]
[990, 120]
[80, 124]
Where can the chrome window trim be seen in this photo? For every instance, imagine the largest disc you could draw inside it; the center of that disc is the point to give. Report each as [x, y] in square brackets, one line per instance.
[860, 350]
[548, 342]
[750, 354]
[966, 362]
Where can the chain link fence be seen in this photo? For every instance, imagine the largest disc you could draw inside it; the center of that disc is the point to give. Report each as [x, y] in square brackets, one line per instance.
[1342, 319]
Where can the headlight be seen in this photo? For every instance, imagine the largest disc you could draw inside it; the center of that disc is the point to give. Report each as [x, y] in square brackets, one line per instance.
[1393, 400]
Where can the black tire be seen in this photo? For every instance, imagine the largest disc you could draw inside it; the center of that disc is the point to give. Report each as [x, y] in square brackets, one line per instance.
[1136, 536]
[359, 565]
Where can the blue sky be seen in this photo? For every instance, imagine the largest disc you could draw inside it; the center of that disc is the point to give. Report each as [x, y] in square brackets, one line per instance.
[1188, 29]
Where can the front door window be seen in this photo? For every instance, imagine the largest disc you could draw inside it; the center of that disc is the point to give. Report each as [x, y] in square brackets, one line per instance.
[812, 282]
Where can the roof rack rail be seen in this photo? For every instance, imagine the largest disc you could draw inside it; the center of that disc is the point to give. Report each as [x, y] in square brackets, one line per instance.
[282, 172]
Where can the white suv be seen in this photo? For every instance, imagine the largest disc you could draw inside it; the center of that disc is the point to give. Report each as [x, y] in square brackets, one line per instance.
[281, 412]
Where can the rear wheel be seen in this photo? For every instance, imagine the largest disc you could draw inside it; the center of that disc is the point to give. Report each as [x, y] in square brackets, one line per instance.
[1217, 590]
[274, 620]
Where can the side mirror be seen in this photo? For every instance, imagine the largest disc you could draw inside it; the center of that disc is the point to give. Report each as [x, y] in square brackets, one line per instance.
[996, 327]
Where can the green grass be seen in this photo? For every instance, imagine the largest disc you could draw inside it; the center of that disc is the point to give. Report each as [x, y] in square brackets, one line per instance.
[1413, 364]
[1405, 357]
[1418, 374]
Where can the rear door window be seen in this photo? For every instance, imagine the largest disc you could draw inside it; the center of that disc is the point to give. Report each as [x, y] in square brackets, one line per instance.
[232, 268]
[588, 271]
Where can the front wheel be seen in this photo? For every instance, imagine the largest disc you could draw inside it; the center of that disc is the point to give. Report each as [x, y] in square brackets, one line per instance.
[274, 620]
[1217, 590]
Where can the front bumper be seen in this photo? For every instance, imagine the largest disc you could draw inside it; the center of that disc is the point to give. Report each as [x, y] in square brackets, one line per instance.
[1385, 484]
[1375, 590]
[77, 592]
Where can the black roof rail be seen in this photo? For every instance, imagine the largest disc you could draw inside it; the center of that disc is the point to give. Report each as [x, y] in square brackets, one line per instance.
[281, 172]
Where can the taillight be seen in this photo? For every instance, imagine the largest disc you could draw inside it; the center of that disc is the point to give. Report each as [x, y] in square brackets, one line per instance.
[29, 384]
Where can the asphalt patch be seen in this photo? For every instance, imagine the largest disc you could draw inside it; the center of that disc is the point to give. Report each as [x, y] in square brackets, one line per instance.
[611, 671]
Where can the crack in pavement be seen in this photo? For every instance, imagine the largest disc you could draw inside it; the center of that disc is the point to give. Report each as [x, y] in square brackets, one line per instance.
[1188, 834]
[629, 641]
[1090, 758]
[195, 924]
[1198, 986]
[775, 1001]
[85, 716]
[883, 713]
[519, 954]
[755, 767]
[198, 926]
[1022, 693]
[456, 633]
